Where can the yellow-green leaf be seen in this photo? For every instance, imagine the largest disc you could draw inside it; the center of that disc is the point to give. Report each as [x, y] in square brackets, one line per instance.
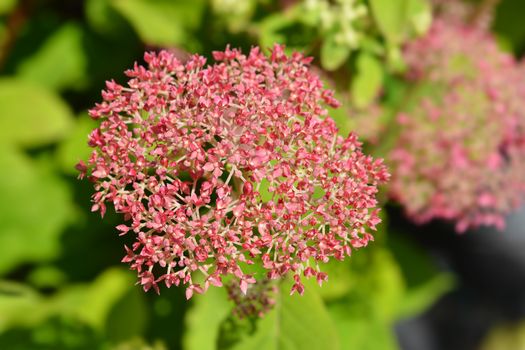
[75, 146]
[60, 62]
[6, 6]
[296, 322]
[36, 207]
[333, 54]
[161, 22]
[203, 319]
[420, 14]
[368, 81]
[31, 115]
[390, 17]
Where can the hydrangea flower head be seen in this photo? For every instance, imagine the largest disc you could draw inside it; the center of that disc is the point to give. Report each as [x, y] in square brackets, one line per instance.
[460, 155]
[217, 167]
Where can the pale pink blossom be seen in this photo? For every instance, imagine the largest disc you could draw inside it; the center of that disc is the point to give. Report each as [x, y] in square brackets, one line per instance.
[460, 154]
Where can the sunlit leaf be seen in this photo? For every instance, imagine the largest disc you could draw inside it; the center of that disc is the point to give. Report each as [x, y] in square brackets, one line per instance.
[383, 285]
[91, 304]
[420, 15]
[390, 16]
[296, 322]
[129, 316]
[340, 282]
[20, 306]
[398, 18]
[60, 62]
[341, 115]
[74, 147]
[333, 54]
[35, 208]
[204, 318]
[102, 294]
[139, 344]
[425, 283]
[269, 29]
[420, 298]
[368, 80]
[364, 315]
[47, 276]
[104, 18]
[161, 22]
[31, 115]
[358, 329]
[236, 14]
[6, 6]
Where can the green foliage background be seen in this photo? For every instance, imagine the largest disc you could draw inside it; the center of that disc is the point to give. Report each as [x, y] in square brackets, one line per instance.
[62, 285]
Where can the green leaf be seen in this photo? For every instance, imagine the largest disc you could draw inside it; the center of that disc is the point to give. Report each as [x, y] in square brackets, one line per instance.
[139, 344]
[416, 265]
[420, 15]
[342, 118]
[31, 115]
[424, 281]
[129, 316]
[57, 333]
[269, 29]
[264, 191]
[61, 61]
[102, 295]
[390, 16]
[508, 23]
[150, 22]
[368, 81]
[235, 14]
[395, 60]
[204, 318]
[36, 206]
[161, 22]
[90, 304]
[75, 147]
[505, 336]
[297, 322]
[504, 43]
[341, 280]
[364, 315]
[376, 282]
[46, 276]
[19, 306]
[3, 32]
[104, 18]
[333, 54]
[418, 299]
[398, 18]
[360, 330]
[6, 6]
[382, 284]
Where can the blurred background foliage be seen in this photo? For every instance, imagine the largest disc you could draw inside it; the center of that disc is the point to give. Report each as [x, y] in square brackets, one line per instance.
[62, 285]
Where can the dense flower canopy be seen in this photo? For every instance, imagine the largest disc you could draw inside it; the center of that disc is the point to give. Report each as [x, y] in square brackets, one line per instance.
[217, 167]
[460, 155]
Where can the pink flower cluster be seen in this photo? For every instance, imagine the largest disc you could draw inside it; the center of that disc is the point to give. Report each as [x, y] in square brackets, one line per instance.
[460, 154]
[217, 167]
